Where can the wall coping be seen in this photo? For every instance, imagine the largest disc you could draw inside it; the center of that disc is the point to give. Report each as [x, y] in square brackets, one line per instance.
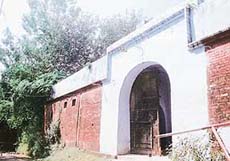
[92, 73]
[142, 32]
[63, 87]
[100, 68]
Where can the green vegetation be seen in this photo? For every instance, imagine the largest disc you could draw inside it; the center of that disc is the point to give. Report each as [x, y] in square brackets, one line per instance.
[194, 148]
[25, 90]
[59, 39]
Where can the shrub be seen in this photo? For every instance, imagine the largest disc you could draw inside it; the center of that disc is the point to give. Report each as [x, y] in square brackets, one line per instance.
[195, 149]
[33, 144]
[53, 132]
[22, 105]
[23, 147]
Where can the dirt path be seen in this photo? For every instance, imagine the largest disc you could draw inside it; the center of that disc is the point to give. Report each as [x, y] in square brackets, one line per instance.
[13, 157]
[130, 157]
[141, 158]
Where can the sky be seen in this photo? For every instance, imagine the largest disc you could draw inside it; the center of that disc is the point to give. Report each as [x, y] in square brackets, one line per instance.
[108, 7]
[13, 10]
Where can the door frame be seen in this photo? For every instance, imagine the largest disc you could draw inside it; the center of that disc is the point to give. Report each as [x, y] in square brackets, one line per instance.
[123, 127]
[145, 77]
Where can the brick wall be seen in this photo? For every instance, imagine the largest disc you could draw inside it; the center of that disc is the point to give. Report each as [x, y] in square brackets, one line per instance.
[218, 53]
[79, 121]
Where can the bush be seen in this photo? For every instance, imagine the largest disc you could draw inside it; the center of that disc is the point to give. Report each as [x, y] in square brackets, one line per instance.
[23, 146]
[195, 149]
[53, 133]
[22, 105]
[33, 144]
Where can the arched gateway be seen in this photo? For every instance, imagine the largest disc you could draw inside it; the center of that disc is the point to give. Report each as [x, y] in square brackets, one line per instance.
[117, 104]
[145, 100]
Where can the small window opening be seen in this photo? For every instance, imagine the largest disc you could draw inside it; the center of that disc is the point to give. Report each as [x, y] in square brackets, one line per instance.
[73, 102]
[65, 104]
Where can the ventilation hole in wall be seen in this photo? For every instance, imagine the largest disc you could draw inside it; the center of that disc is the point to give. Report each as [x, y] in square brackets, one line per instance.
[73, 102]
[65, 104]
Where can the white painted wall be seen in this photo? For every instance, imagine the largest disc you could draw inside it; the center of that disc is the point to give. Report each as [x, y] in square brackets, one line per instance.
[187, 73]
[90, 74]
[211, 17]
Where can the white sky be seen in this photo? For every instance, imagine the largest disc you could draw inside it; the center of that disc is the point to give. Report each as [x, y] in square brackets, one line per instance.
[13, 10]
[108, 7]
[11, 15]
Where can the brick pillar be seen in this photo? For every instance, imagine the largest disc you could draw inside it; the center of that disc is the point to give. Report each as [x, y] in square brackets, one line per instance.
[218, 54]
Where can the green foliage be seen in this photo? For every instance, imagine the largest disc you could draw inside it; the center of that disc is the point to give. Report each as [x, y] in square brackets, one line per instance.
[195, 149]
[5, 109]
[59, 37]
[9, 51]
[115, 27]
[23, 147]
[53, 132]
[26, 91]
[33, 144]
[65, 38]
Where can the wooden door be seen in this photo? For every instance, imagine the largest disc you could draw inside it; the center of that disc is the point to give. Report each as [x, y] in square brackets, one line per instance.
[144, 115]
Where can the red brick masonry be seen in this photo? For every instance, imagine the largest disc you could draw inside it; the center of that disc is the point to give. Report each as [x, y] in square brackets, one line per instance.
[218, 53]
[79, 121]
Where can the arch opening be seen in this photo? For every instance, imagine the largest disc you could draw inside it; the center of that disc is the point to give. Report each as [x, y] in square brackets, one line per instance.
[147, 104]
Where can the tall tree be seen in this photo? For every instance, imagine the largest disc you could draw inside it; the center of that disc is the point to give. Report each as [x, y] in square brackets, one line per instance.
[60, 38]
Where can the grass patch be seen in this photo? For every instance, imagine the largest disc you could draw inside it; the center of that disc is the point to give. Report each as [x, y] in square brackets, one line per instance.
[74, 154]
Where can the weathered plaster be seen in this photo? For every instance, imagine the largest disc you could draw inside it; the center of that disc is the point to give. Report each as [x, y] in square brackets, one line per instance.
[211, 17]
[168, 48]
[94, 72]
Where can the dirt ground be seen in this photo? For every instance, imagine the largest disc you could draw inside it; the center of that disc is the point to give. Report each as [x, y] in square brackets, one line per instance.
[73, 154]
[132, 157]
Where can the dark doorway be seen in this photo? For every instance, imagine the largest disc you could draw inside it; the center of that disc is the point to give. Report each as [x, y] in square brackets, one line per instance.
[147, 118]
